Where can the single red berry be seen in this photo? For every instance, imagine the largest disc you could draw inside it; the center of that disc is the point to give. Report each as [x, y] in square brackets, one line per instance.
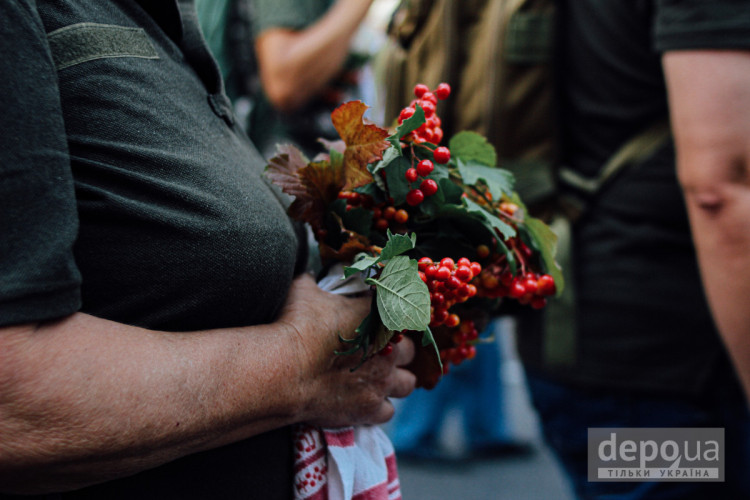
[389, 212]
[414, 197]
[463, 261]
[423, 276]
[405, 114]
[546, 285]
[381, 224]
[423, 263]
[429, 97]
[464, 291]
[538, 302]
[443, 91]
[387, 349]
[420, 89]
[429, 108]
[452, 283]
[506, 278]
[439, 316]
[476, 268]
[431, 271]
[459, 355]
[452, 321]
[437, 135]
[437, 299]
[447, 262]
[429, 187]
[442, 273]
[464, 272]
[442, 155]
[517, 290]
[425, 168]
[411, 174]
[401, 217]
[530, 284]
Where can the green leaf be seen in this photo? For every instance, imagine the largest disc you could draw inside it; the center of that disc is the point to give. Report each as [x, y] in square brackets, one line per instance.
[471, 147]
[409, 125]
[546, 241]
[429, 340]
[498, 180]
[493, 222]
[452, 192]
[361, 265]
[398, 244]
[391, 154]
[395, 176]
[402, 297]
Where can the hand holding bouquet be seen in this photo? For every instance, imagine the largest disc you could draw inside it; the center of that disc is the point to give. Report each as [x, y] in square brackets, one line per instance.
[437, 232]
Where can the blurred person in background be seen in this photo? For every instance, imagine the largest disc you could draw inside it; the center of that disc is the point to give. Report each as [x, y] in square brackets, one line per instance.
[661, 254]
[302, 68]
[657, 333]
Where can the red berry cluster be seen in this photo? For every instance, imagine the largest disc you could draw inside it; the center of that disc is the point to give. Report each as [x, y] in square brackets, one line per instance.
[431, 130]
[463, 348]
[528, 287]
[395, 339]
[384, 215]
[427, 187]
[449, 283]
[354, 199]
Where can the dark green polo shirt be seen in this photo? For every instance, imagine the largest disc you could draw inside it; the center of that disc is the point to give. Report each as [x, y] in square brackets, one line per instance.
[128, 192]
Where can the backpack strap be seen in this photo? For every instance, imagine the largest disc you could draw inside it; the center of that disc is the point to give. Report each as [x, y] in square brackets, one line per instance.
[637, 149]
[560, 315]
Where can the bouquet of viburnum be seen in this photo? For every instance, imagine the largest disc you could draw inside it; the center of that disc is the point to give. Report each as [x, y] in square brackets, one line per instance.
[436, 231]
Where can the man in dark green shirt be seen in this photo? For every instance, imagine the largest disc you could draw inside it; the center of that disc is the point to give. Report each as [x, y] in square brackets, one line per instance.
[156, 337]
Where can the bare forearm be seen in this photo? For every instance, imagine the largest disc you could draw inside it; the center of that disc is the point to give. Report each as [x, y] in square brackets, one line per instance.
[710, 115]
[297, 65]
[86, 399]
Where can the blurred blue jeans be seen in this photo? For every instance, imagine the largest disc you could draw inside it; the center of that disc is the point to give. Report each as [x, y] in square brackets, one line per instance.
[474, 388]
[567, 412]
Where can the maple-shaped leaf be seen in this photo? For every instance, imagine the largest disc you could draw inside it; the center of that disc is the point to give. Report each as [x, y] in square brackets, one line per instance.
[322, 182]
[284, 167]
[365, 142]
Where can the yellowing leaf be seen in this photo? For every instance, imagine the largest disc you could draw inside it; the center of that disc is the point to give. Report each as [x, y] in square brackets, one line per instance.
[365, 142]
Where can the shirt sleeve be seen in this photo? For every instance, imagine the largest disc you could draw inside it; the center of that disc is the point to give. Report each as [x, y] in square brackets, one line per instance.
[38, 220]
[701, 24]
[290, 14]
